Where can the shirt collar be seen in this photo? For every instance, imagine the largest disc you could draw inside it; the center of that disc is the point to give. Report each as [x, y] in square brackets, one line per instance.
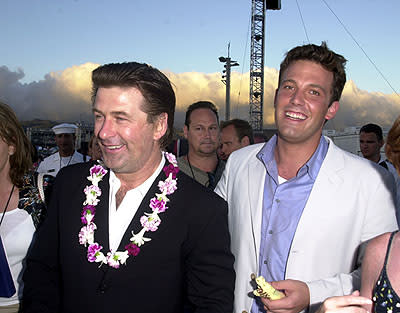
[142, 188]
[266, 155]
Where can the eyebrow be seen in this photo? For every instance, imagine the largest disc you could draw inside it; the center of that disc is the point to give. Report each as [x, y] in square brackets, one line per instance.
[113, 113]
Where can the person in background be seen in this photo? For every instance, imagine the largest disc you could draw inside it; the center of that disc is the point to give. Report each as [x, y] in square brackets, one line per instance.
[66, 155]
[94, 150]
[300, 208]
[202, 133]
[235, 134]
[22, 206]
[371, 142]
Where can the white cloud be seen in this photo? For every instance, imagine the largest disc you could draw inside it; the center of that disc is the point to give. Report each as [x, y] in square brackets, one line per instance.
[65, 96]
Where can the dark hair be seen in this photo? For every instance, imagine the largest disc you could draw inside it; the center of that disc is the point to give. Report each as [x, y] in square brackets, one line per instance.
[242, 128]
[200, 105]
[392, 148]
[328, 59]
[154, 86]
[372, 128]
[13, 134]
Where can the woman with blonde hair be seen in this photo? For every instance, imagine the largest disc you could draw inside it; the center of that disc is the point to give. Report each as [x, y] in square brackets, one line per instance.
[21, 204]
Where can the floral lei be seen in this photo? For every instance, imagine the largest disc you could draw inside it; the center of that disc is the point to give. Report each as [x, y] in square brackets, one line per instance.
[149, 221]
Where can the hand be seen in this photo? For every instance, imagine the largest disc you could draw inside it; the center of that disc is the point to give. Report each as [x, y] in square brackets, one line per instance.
[344, 304]
[297, 297]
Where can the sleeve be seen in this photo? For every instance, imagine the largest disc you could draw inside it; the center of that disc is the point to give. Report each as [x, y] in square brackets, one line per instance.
[42, 277]
[209, 264]
[379, 218]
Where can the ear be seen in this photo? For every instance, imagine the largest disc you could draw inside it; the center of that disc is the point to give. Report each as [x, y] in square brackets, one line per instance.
[161, 126]
[381, 143]
[185, 131]
[11, 150]
[332, 110]
[245, 141]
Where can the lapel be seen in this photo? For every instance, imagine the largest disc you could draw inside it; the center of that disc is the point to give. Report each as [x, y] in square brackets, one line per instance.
[326, 186]
[255, 182]
[101, 219]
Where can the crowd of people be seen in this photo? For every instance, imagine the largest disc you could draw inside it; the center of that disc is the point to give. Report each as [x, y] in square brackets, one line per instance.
[136, 229]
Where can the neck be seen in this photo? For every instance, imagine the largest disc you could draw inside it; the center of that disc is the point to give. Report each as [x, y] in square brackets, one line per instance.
[375, 158]
[132, 180]
[64, 154]
[291, 157]
[206, 163]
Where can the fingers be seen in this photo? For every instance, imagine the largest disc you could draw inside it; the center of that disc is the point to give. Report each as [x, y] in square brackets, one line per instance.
[336, 302]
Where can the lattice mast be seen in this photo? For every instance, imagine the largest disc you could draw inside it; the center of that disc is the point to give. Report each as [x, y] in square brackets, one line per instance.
[258, 10]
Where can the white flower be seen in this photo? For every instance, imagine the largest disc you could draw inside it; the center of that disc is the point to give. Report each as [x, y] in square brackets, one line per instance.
[139, 238]
[122, 256]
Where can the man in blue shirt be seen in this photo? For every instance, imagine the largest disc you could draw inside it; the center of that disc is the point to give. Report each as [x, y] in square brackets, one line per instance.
[300, 207]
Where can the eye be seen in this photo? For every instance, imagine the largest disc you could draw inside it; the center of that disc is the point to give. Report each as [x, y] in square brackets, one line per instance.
[315, 92]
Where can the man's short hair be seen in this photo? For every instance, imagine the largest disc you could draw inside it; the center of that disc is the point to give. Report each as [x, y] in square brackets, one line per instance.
[372, 128]
[154, 86]
[242, 128]
[200, 105]
[329, 60]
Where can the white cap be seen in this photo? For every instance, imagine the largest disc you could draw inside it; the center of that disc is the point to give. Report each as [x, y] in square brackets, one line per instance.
[64, 128]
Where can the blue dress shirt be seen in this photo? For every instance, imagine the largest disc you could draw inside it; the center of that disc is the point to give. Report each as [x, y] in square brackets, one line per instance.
[283, 205]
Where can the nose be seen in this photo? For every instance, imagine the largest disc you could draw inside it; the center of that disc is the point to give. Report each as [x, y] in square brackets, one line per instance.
[105, 129]
[297, 97]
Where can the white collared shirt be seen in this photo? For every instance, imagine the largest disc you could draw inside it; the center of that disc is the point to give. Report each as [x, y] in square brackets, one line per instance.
[120, 219]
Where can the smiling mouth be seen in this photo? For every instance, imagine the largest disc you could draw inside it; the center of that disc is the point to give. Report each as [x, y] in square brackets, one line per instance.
[113, 147]
[296, 116]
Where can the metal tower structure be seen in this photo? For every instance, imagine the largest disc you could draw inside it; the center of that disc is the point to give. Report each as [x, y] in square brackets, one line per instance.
[258, 9]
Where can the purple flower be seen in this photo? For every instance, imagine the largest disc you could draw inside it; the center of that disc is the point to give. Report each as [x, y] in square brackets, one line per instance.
[92, 251]
[97, 170]
[86, 209]
[157, 205]
[171, 169]
[132, 249]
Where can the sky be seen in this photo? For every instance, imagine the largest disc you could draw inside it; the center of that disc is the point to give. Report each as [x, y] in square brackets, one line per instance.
[48, 49]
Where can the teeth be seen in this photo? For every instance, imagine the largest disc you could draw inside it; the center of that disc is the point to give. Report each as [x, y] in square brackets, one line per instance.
[114, 147]
[297, 116]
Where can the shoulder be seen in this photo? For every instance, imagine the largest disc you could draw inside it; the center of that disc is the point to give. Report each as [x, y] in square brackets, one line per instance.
[245, 154]
[77, 170]
[374, 258]
[350, 163]
[196, 194]
[51, 157]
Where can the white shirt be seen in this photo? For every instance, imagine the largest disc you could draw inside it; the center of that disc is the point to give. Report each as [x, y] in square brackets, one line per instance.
[16, 233]
[52, 164]
[120, 219]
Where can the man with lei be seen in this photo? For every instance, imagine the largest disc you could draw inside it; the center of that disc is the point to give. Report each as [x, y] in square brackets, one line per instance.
[131, 233]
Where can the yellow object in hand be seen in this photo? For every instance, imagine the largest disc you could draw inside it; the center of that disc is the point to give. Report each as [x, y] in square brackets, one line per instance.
[265, 290]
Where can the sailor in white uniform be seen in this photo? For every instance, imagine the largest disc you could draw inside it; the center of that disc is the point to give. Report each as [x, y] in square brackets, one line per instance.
[66, 155]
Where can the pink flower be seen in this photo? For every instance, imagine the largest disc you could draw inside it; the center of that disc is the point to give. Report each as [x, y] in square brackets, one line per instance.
[132, 249]
[168, 186]
[171, 158]
[86, 235]
[112, 260]
[93, 249]
[171, 169]
[151, 222]
[158, 205]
